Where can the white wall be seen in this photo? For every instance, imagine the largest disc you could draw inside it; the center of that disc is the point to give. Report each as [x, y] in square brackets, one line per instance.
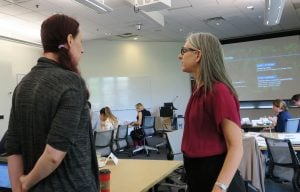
[156, 60]
[15, 59]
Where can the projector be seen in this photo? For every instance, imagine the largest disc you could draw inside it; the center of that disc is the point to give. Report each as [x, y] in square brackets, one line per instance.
[152, 5]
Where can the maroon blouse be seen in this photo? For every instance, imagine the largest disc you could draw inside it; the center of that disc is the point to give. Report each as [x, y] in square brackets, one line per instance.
[203, 136]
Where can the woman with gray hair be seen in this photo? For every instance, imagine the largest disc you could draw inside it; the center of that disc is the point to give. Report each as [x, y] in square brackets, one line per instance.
[212, 138]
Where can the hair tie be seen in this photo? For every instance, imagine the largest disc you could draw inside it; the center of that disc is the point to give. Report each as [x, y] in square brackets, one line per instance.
[61, 46]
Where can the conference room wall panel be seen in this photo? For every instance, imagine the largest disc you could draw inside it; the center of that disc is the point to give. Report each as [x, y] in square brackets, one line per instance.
[16, 60]
[155, 61]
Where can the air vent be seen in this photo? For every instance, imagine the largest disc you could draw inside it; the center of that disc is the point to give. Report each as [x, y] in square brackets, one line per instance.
[127, 35]
[215, 20]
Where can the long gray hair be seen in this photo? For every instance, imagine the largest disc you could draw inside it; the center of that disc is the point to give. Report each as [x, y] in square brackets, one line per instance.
[212, 68]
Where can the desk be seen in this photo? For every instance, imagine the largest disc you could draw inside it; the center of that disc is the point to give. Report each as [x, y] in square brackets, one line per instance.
[251, 128]
[139, 175]
[275, 136]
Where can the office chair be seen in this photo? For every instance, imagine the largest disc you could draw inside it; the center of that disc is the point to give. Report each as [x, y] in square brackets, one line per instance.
[177, 178]
[149, 132]
[284, 164]
[292, 125]
[104, 142]
[121, 141]
[174, 145]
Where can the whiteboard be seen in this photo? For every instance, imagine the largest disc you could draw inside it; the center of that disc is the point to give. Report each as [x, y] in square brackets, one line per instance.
[119, 93]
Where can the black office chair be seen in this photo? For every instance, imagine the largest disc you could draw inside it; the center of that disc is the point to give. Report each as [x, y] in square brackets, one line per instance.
[150, 141]
[174, 145]
[283, 164]
[104, 142]
[122, 145]
[176, 179]
[292, 125]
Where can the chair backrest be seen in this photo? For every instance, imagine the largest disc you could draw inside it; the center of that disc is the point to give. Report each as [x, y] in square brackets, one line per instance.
[281, 154]
[104, 141]
[291, 125]
[252, 165]
[121, 136]
[174, 142]
[149, 125]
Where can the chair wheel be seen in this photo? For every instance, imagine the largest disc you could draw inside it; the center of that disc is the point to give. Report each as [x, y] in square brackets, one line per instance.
[148, 154]
[158, 152]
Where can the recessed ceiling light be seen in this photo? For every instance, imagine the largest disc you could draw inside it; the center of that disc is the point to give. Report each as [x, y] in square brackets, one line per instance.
[215, 21]
[250, 7]
[135, 38]
[107, 33]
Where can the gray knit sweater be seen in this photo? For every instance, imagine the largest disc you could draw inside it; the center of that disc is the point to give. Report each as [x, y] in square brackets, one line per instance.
[49, 107]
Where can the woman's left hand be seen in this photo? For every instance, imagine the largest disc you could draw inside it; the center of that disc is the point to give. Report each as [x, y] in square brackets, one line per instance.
[24, 184]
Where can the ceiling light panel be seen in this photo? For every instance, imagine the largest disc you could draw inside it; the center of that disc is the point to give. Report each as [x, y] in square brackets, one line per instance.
[96, 5]
[273, 11]
[19, 29]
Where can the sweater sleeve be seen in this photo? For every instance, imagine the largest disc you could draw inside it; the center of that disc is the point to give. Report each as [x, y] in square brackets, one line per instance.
[65, 123]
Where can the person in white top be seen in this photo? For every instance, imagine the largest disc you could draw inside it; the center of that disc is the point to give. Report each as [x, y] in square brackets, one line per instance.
[108, 120]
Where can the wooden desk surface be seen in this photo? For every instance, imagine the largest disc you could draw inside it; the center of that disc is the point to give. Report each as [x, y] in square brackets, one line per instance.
[139, 175]
[275, 135]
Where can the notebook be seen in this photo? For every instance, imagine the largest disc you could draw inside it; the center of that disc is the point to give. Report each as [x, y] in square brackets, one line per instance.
[4, 178]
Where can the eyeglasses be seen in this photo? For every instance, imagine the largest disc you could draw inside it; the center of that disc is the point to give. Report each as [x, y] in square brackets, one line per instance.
[183, 50]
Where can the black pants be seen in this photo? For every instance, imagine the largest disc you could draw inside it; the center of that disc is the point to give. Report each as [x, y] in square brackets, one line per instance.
[202, 173]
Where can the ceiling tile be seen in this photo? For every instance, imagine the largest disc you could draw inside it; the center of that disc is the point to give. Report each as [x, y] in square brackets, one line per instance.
[183, 17]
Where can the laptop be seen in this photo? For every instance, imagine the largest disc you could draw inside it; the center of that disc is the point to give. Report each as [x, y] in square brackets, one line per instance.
[4, 178]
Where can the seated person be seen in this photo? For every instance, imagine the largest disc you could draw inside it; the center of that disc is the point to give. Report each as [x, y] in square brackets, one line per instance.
[108, 120]
[281, 110]
[141, 113]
